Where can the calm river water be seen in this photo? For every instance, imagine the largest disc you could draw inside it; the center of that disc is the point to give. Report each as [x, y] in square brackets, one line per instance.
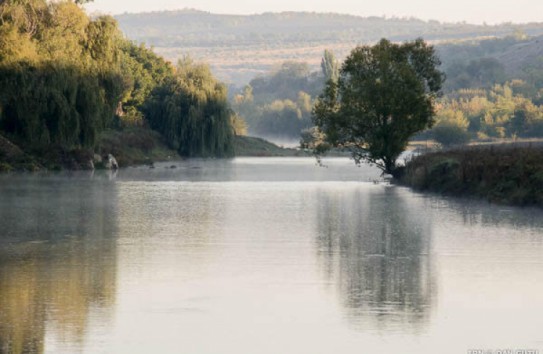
[261, 255]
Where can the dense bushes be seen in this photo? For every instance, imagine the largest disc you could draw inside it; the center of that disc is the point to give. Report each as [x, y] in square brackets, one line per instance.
[65, 78]
[278, 105]
[191, 111]
[60, 77]
[49, 104]
[511, 174]
[448, 135]
[502, 111]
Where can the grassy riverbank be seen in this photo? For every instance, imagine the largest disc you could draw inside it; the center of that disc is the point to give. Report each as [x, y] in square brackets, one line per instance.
[258, 147]
[506, 174]
[131, 146]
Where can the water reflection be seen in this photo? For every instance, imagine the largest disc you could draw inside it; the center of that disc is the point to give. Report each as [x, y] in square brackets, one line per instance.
[483, 214]
[377, 249]
[158, 220]
[251, 255]
[57, 261]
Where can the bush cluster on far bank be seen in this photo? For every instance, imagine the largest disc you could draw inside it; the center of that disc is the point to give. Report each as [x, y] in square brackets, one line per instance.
[506, 174]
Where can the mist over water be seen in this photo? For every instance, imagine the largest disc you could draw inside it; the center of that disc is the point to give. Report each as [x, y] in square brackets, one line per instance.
[261, 256]
[286, 142]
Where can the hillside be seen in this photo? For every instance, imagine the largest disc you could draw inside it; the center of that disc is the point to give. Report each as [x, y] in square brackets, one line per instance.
[518, 56]
[239, 47]
[513, 52]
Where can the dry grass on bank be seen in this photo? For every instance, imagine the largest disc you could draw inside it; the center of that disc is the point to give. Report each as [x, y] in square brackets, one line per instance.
[508, 173]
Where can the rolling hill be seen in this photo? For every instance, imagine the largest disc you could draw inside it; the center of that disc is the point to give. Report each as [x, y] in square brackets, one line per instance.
[240, 47]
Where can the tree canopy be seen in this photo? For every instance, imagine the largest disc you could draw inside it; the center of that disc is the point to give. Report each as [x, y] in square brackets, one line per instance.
[385, 94]
[66, 77]
[278, 105]
[190, 109]
[60, 74]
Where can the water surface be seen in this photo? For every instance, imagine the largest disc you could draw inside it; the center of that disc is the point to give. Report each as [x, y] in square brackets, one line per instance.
[261, 255]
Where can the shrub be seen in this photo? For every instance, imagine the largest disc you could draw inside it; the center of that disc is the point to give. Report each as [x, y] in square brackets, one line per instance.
[450, 135]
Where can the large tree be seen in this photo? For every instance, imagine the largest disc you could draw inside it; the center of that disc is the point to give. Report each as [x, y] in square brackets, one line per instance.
[385, 93]
[190, 110]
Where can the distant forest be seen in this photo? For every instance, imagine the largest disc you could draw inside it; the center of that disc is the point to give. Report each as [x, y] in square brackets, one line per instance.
[494, 90]
[197, 28]
[238, 48]
[273, 63]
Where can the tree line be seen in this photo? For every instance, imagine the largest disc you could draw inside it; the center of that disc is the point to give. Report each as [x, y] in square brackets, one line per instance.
[482, 98]
[65, 78]
[279, 104]
[502, 111]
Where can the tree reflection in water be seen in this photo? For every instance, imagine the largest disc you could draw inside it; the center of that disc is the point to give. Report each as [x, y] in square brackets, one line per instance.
[375, 246]
[58, 262]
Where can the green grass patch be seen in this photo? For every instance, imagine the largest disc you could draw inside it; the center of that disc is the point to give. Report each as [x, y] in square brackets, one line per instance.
[134, 146]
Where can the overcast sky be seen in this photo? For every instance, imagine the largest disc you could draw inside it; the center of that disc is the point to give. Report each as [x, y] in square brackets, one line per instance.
[473, 11]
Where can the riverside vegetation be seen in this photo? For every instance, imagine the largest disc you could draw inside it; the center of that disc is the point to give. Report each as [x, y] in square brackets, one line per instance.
[493, 91]
[505, 174]
[72, 86]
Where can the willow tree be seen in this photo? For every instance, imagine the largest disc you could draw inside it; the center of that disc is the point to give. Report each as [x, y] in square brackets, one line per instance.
[190, 110]
[143, 71]
[384, 95]
[60, 73]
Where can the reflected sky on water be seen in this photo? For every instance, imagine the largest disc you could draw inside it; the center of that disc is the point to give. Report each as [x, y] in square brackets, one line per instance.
[261, 256]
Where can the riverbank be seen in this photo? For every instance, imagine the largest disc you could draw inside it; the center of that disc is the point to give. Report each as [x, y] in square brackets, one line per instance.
[505, 174]
[249, 146]
[130, 147]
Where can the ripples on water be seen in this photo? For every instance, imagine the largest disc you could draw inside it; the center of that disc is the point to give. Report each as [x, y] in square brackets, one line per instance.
[261, 256]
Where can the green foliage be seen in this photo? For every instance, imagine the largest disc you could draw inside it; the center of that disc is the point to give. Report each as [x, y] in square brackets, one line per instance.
[499, 112]
[485, 63]
[510, 174]
[278, 105]
[451, 128]
[191, 111]
[479, 73]
[59, 74]
[133, 145]
[103, 43]
[384, 95]
[450, 135]
[142, 71]
[283, 118]
[285, 83]
[48, 104]
[65, 78]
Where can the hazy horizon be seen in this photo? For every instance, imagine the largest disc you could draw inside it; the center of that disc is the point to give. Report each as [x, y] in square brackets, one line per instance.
[458, 11]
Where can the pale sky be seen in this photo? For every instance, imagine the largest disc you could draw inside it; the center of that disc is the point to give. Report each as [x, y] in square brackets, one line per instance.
[472, 11]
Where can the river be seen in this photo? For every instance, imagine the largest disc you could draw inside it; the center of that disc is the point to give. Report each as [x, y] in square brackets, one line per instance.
[261, 255]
